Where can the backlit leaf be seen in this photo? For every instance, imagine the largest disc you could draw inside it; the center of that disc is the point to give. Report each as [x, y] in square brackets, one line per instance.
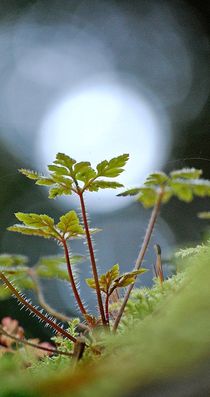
[186, 173]
[112, 168]
[69, 223]
[156, 178]
[30, 174]
[96, 185]
[65, 160]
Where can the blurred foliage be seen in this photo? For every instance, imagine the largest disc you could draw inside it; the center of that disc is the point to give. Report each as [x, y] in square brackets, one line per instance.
[161, 347]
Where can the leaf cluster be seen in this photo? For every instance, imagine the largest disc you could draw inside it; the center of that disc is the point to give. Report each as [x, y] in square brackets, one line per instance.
[183, 184]
[68, 226]
[112, 279]
[66, 175]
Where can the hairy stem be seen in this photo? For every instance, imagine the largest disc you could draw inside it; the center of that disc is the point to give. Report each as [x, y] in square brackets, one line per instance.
[107, 308]
[141, 255]
[92, 259]
[45, 305]
[36, 311]
[26, 342]
[71, 277]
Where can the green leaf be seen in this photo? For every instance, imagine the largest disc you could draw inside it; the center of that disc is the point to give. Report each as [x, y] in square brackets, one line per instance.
[8, 260]
[66, 161]
[55, 266]
[83, 171]
[96, 185]
[156, 178]
[35, 224]
[113, 167]
[128, 278]
[182, 190]
[90, 282]
[201, 187]
[45, 182]
[186, 173]
[29, 231]
[58, 169]
[59, 191]
[85, 175]
[105, 280]
[130, 192]
[35, 220]
[114, 272]
[148, 196]
[204, 215]
[30, 174]
[69, 223]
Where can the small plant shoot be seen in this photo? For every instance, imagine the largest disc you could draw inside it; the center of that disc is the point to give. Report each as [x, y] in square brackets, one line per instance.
[66, 176]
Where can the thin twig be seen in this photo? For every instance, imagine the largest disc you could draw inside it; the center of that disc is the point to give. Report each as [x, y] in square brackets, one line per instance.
[36, 311]
[26, 342]
[92, 259]
[141, 255]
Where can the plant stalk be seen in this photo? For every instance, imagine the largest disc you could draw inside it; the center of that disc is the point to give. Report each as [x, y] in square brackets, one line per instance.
[26, 342]
[36, 311]
[71, 277]
[141, 255]
[107, 308]
[92, 258]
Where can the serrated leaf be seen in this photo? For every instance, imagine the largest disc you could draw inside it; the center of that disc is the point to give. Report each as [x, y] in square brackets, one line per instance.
[64, 160]
[130, 192]
[35, 220]
[45, 182]
[30, 174]
[29, 231]
[147, 196]
[59, 191]
[86, 175]
[156, 178]
[69, 223]
[105, 280]
[186, 173]
[113, 167]
[182, 190]
[96, 185]
[204, 215]
[128, 278]
[81, 167]
[201, 187]
[59, 170]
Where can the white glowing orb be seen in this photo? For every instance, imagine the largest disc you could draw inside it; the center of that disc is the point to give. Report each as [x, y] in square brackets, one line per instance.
[103, 121]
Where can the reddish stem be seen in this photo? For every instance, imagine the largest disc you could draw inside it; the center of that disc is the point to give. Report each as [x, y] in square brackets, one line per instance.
[107, 308]
[71, 277]
[36, 311]
[141, 255]
[92, 258]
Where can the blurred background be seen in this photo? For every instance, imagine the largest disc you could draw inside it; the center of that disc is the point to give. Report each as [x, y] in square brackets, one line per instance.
[96, 79]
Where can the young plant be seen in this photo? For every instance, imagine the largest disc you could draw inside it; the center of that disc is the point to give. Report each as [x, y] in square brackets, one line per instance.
[158, 189]
[67, 177]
